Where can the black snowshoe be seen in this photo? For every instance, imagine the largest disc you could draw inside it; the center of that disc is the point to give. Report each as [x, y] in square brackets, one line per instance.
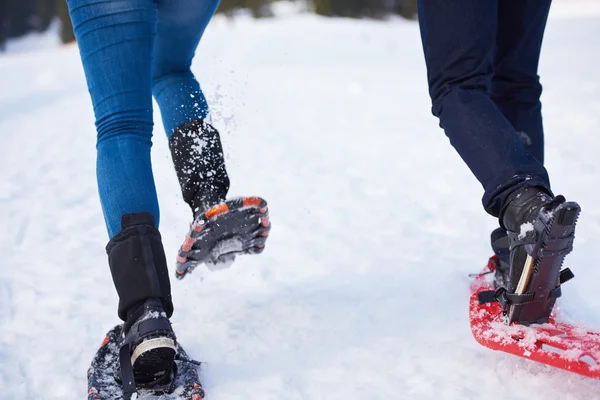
[217, 235]
[105, 381]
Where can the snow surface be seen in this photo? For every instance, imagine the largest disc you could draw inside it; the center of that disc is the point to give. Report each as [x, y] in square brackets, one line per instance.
[362, 291]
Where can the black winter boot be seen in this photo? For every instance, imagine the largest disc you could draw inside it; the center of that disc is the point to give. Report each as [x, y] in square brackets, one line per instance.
[540, 232]
[139, 270]
[200, 165]
[222, 228]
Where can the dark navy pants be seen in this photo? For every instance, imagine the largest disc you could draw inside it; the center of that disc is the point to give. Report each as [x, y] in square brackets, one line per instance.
[482, 60]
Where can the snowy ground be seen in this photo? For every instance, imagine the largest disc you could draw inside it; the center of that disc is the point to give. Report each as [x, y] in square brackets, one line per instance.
[362, 291]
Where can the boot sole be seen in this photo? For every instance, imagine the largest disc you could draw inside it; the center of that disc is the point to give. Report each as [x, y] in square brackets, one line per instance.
[152, 359]
[541, 271]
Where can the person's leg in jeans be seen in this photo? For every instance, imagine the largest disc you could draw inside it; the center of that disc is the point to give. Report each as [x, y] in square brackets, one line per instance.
[182, 103]
[459, 41]
[116, 40]
[196, 147]
[181, 24]
[516, 87]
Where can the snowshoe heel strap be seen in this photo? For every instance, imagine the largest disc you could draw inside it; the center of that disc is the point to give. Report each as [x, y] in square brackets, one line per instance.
[153, 325]
[503, 297]
[506, 299]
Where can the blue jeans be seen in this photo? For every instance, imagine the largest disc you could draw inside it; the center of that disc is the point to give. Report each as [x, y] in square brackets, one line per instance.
[132, 50]
[482, 60]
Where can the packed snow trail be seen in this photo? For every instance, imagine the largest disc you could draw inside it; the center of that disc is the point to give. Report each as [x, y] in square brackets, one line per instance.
[362, 291]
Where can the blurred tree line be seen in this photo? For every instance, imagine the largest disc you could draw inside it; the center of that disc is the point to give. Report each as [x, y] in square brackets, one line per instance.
[19, 17]
[366, 8]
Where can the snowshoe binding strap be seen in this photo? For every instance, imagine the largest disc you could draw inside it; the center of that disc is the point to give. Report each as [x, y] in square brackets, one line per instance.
[127, 378]
[505, 298]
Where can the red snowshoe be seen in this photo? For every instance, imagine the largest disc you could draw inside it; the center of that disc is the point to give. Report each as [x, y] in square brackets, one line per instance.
[558, 344]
